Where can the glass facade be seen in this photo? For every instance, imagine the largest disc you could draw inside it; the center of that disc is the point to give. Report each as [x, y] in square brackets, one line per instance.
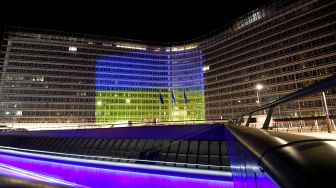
[128, 87]
[49, 78]
[57, 77]
[284, 46]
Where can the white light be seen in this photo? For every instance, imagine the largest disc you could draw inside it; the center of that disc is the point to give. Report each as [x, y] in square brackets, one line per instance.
[257, 101]
[259, 87]
[40, 78]
[18, 113]
[130, 46]
[121, 124]
[72, 49]
[107, 44]
[239, 101]
[128, 101]
[191, 46]
[182, 48]
[177, 49]
[33, 175]
[99, 103]
[206, 68]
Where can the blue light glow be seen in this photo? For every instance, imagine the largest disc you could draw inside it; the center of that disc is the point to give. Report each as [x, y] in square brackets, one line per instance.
[123, 72]
[98, 177]
[11, 171]
[161, 58]
[145, 69]
[151, 64]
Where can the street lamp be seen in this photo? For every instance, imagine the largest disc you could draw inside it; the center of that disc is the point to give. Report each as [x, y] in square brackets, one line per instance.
[100, 103]
[13, 119]
[327, 113]
[259, 87]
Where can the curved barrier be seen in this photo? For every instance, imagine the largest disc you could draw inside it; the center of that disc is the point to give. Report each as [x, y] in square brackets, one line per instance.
[260, 158]
[257, 158]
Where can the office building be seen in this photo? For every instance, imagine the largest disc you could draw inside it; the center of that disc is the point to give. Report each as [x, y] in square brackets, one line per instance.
[59, 77]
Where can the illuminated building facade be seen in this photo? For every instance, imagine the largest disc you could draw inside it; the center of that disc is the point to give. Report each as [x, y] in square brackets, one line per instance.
[285, 45]
[48, 78]
[128, 87]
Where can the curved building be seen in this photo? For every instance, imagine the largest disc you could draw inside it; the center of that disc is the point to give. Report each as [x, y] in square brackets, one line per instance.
[58, 77]
[47, 78]
[150, 87]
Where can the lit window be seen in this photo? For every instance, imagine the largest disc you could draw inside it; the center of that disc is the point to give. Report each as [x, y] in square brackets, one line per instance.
[206, 68]
[177, 49]
[18, 113]
[191, 46]
[107, 44]
[181, 48]
[130, 46]
[72, 49]
[40, 78]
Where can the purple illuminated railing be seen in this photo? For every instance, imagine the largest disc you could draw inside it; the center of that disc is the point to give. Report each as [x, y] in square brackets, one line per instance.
[92, 176]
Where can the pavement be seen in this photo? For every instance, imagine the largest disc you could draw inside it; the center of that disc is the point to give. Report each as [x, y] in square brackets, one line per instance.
[323, 134]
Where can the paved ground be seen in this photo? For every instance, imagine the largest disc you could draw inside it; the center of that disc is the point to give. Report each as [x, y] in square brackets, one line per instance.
[309, 131]
[323, 134]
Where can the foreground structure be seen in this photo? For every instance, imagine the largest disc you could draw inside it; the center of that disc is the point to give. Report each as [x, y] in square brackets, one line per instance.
[62, 78]
[212, 156]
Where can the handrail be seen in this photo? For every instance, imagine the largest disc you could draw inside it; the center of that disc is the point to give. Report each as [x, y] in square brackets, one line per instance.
[289, 160]
[56, 126]
[327, 83]
[226, 169]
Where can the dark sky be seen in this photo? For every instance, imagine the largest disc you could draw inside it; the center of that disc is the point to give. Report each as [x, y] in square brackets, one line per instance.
[164, 21]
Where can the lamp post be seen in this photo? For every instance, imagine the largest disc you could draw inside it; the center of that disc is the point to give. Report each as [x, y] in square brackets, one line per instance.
[326, 113]
[13, 119]
[259, 87]
[100, 103]
[104, 113]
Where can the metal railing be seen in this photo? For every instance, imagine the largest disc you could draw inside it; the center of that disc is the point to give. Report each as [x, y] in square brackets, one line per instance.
[322, 85]
[221, 169]
[274, 159]
[55, 126]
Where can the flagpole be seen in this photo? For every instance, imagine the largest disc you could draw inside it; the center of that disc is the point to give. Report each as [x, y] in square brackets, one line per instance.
[186, 106]
[160, 110]
[184, 114]
[161, 103]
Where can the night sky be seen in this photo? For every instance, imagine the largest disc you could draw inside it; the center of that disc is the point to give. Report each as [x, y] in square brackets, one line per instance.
[164, 21]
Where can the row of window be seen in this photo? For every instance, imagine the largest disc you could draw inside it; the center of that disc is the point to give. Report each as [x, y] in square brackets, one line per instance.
[290, 18]
[285, 74]
[268, 94]
[283, 53]
[276, 43]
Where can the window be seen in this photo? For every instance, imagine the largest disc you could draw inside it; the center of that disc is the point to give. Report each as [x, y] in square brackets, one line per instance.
[72, 49]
